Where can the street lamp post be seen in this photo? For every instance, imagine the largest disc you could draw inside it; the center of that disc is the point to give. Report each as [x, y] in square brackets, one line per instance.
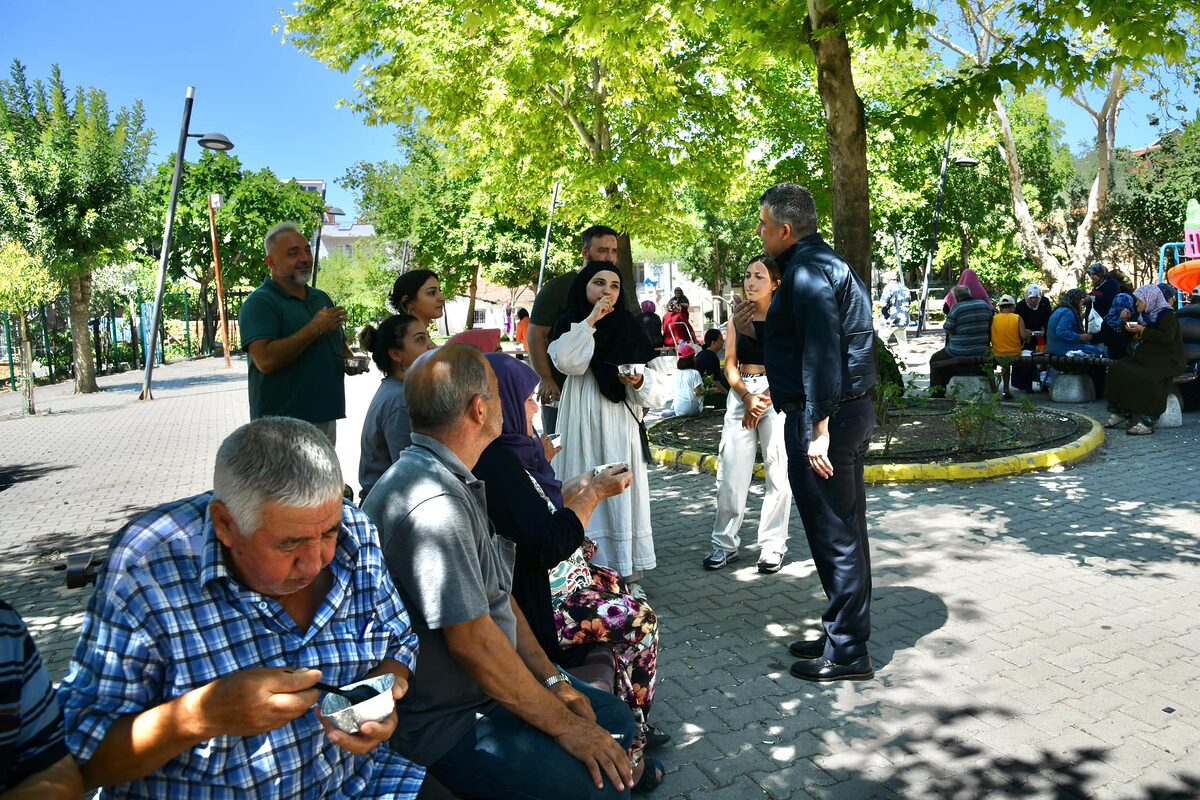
[959, 161]
[210, 141]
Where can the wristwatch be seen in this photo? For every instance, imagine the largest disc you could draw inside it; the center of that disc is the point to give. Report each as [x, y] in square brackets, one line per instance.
[556, 679]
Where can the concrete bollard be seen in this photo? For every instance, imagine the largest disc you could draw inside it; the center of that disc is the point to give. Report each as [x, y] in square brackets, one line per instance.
[1173, 416]
[1072, 387]
[969, 387]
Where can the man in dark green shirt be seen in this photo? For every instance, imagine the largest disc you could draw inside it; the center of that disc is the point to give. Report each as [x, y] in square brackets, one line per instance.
[293, 333]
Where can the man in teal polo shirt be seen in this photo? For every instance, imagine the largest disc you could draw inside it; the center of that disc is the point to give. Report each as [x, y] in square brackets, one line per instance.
[293, 333]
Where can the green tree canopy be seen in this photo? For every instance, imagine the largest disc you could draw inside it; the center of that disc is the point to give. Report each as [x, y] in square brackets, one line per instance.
[69, 176]
[623, 102]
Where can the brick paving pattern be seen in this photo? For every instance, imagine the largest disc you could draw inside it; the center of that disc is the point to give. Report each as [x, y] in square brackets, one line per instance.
[1034, 637]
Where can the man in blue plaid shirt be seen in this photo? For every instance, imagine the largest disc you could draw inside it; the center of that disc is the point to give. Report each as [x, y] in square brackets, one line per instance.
[214, 618]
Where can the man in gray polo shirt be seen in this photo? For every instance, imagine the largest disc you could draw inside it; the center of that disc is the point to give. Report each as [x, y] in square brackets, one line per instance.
[293, 333]
[486, 711]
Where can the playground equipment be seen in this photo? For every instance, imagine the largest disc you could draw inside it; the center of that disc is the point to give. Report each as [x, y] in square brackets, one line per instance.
[1185, 275]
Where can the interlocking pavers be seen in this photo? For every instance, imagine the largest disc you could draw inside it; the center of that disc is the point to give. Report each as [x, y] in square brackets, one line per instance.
[1028, 632]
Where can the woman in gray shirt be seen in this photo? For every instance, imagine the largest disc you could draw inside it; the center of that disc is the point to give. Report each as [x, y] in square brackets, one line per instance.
[394, 346]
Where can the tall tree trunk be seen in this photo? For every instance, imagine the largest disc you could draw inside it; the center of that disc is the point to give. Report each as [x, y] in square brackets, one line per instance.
[80, 288]
[625, 270]
[471, 299]
[24, 334]
[96, 340]
[846, 134]
[208, 318]
[1106, 131]
[1056, 275]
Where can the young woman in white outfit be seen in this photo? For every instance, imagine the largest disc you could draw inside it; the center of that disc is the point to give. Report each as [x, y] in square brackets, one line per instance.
[600, 413]
[750, 421]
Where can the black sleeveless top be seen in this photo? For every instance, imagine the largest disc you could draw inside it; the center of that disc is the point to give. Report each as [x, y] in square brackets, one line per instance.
[750, 351]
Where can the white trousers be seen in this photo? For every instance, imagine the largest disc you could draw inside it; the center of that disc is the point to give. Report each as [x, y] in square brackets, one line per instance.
[739, 450]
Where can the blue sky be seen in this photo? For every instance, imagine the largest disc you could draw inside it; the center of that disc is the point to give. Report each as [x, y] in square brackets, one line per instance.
[277, 105]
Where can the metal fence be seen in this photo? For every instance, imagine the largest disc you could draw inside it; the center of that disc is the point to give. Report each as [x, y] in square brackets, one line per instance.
[117, 345]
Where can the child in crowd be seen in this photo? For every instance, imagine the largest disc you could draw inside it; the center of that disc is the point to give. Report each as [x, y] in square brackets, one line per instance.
[1008, 332]
[689, 386]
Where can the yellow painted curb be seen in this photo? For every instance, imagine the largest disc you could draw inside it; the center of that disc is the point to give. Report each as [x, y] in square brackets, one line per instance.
[1068, 453]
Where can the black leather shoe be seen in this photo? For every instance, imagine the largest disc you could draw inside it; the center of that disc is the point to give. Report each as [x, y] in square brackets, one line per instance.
[808, 648]
[822, 669]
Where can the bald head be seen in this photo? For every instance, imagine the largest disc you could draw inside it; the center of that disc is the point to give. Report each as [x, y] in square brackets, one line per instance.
[442, 387]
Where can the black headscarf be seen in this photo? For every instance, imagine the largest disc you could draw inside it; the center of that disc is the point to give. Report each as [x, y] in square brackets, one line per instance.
[619, 338]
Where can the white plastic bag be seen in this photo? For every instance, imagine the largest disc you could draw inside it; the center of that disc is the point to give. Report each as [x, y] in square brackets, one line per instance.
[1095, 321]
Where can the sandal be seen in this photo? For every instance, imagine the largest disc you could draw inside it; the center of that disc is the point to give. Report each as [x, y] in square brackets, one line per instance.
[1115, 419]
[656, 737]
[652, 776]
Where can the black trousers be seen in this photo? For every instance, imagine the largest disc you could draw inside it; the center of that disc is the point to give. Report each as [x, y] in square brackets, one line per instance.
[834, 513]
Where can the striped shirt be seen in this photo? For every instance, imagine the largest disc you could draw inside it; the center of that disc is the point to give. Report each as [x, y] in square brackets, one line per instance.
[31, 723]
[167, 617]
[969, 324]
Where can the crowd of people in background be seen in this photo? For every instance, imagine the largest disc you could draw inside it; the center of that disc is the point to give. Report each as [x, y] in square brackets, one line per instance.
[1127, 341]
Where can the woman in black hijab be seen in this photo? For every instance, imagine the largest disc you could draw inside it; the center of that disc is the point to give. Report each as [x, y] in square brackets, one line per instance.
[604, 352]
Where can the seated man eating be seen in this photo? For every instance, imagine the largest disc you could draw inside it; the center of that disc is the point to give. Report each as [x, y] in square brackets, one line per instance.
[489, 714]
[213, 620]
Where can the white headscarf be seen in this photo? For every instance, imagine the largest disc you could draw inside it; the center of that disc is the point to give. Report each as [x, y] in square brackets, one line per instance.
[1156, 304]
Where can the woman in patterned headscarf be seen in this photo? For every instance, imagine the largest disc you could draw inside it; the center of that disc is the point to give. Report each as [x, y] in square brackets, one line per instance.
[1138, 385]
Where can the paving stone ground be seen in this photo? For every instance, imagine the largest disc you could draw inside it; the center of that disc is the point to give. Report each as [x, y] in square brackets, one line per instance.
[1035, 636]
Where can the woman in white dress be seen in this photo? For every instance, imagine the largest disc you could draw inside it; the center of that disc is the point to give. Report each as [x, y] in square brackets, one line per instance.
[750, 422]
[600, 413]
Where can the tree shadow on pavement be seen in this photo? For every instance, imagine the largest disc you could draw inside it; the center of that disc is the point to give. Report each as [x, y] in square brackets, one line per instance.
[928, 760]
[169, 384]
[12, 474]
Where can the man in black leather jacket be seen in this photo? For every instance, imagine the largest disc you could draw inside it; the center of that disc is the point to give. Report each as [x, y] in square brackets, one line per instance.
[820, 353]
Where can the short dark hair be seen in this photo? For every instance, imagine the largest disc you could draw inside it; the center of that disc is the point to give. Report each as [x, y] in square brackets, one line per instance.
[595, 232]
[440, 385]
[522, 313]
[711, 335]
[407, 286]
[962, 293]
[791, 204]
[389, 334]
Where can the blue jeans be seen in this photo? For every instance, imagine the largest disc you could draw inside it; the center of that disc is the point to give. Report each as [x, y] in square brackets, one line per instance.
[834, 512]
[505, 758]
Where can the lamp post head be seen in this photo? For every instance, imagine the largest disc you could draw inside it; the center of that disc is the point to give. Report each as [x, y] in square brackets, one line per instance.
[334, 211]
[965, 161]
[215, 141]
